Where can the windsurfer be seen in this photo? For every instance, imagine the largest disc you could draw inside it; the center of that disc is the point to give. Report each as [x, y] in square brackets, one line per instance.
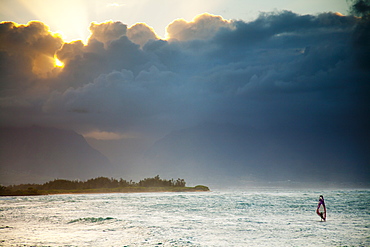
[321, 208]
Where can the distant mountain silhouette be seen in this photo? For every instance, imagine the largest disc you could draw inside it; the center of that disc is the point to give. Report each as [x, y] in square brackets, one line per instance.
[33, 154]
[216, 150]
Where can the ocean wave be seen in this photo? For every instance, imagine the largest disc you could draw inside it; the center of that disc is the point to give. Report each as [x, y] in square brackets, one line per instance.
[91, 219]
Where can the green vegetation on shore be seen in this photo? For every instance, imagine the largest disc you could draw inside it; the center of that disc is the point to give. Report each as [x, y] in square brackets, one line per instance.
[100, 185]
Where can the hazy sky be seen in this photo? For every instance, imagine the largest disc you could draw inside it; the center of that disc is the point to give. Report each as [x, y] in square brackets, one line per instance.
[73, 17]
[304, 66]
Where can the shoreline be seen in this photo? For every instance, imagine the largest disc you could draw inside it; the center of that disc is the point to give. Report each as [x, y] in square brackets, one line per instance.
[198, 188]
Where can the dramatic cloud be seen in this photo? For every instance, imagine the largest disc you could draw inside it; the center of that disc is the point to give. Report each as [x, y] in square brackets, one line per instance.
[108, 31]
[361, 8]
[27, 52]
[141, 33]
[282, 69]
[203, 26]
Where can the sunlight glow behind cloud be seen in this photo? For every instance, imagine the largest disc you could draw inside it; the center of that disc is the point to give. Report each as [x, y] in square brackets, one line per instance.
[58, 63]
[69, 17]
[72, 17]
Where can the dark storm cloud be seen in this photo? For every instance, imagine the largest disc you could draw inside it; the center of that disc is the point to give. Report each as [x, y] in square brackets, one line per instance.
[119, 96]
[27, 53]
[281, 69]
[361, 8]
[361, 39]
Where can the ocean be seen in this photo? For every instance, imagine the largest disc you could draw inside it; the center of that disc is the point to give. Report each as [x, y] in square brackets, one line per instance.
[258, 217]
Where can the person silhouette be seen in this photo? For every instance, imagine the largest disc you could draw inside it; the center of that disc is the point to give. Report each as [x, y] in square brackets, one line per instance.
[321, 208]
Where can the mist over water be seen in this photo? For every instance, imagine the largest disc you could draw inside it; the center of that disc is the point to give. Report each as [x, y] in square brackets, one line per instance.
[258, 217]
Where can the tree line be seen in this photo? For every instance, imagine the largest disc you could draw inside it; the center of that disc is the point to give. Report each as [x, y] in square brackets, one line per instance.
[93, 183]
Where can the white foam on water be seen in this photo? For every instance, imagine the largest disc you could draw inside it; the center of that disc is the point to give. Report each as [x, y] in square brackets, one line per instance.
[238, 218]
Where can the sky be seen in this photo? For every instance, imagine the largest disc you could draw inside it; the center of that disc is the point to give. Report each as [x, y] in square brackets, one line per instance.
[138, 70]
[157, 14]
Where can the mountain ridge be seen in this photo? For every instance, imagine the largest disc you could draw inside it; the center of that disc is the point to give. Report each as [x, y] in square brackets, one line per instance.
[40, 153]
